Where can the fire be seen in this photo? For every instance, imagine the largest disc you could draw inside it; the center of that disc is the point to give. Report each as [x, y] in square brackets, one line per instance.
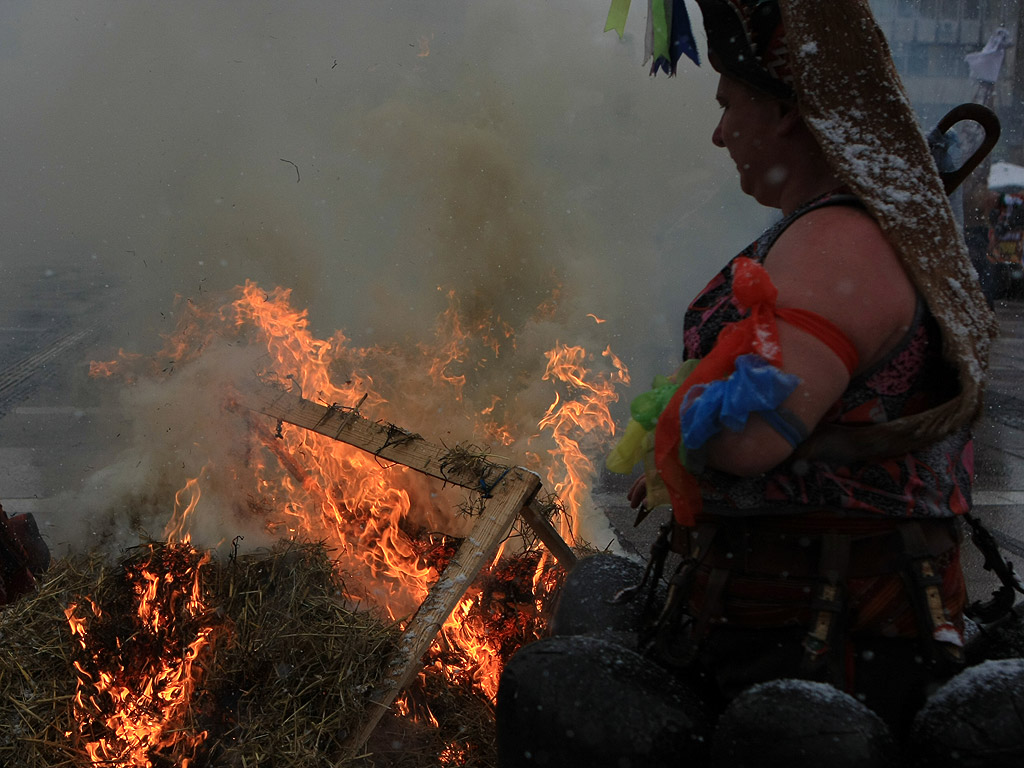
[185, 502]
[305, 486]
[108, 368]
[587, 413]
[138, 695]
[133, 698]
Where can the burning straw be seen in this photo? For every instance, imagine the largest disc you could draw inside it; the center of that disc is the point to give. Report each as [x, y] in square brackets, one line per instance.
[282, 673]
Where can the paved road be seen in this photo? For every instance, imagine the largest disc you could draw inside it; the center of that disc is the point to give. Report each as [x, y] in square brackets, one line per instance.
[51, 325]
[999, 490]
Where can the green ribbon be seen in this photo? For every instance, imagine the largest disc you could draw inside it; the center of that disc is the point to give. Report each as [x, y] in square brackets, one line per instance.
[617, 17]
[660, 23]
[638, 438]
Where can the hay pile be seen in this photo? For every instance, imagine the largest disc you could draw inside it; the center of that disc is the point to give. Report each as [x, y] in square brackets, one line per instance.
[285, 676]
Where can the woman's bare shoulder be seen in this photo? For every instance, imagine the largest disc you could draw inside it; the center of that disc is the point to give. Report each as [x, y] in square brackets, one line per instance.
[839, 233]
[837, 262]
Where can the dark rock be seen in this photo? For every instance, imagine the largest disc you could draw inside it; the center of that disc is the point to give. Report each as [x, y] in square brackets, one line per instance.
[794, 723]
[590, 599]
[585, 700]
[976, 720]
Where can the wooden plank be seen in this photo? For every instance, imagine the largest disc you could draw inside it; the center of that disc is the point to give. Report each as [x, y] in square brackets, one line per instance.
[457, 466]
[533, 514]
[512, 494]
[507, 492]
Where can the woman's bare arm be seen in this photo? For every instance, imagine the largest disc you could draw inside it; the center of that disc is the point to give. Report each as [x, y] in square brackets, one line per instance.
[833, 261]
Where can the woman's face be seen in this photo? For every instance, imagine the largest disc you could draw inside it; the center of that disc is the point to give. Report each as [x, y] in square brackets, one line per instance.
[746, 129]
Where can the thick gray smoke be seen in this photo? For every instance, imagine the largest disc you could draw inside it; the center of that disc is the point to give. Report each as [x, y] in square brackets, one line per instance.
[372, 157]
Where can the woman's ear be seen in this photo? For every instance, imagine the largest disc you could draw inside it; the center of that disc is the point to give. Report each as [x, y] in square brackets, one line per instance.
[789, 117]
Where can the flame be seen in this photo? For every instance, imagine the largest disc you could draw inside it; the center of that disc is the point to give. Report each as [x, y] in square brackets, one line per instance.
[185, 502]
[307, 486]
[585, 413]
[134, 700]
[105, 369]
[452, 348]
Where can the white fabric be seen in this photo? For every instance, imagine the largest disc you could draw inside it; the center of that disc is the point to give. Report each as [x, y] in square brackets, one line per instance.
[986, 63]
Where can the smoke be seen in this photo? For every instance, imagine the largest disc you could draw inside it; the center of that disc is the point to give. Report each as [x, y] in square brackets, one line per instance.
[372, 157]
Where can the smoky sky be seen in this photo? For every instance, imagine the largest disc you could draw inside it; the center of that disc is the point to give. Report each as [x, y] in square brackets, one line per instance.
[371, 157]
[361, 153]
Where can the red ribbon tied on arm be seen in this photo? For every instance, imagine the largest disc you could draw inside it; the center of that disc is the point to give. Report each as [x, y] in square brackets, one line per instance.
[757, 333]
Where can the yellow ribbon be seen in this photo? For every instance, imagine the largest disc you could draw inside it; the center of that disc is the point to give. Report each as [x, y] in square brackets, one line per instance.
[617, 17]
[637, 445]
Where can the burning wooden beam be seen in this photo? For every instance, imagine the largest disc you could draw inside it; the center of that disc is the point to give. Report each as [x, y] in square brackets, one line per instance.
[474, 553]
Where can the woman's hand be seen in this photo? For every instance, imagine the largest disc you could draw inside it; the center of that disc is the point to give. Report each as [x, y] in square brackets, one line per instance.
[637, 494]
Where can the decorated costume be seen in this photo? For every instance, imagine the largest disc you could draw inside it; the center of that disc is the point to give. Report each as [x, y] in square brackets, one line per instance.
[931, 481]
[832, 59]
[858, 517]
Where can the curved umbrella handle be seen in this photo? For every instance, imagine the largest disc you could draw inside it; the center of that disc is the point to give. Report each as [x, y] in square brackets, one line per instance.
[989, 123]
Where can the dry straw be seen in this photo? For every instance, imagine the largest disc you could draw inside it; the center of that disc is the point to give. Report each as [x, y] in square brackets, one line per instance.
[286, 685]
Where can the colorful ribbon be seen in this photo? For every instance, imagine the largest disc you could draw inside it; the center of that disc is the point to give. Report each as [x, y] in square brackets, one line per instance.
[617, 17]
[637, 439]
[669, 33]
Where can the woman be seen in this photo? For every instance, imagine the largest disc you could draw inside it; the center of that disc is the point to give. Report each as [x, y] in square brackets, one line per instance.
[815, 447]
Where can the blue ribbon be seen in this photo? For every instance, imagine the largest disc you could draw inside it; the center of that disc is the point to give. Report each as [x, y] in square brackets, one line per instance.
[755, 386]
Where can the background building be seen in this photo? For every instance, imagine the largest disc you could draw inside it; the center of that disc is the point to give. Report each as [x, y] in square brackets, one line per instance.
[929, 40]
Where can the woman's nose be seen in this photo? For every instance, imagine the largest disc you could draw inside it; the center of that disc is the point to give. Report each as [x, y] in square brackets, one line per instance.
[716, 136]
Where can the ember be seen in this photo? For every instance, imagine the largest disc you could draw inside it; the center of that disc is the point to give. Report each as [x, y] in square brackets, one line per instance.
[503, 610]
[288, 679]
[284, 673]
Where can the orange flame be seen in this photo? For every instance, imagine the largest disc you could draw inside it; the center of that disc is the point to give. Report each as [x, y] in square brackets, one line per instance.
[585, 413]
[131, 704]
[185, 502]
[103, 370]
